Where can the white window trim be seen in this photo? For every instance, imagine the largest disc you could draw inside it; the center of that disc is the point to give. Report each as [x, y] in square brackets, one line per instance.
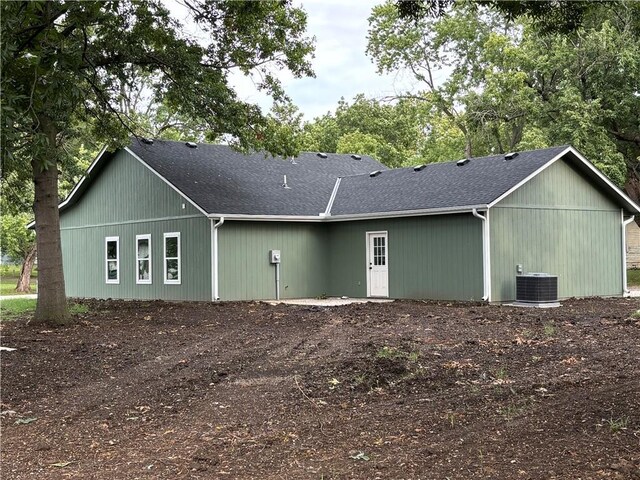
[140, 281]
[164, 249]
[106, 260]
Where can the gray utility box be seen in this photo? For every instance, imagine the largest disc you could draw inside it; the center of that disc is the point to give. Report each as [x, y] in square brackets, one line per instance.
[274, 256]
[537, 288]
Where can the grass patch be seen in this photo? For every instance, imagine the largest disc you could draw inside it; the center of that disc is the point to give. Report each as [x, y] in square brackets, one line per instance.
[10, 309]
[8, 287]
[15, 307]
[633, 277]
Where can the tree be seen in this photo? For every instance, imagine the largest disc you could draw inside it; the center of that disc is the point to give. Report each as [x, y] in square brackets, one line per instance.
[19, 243]
[560, 16]
[510, 86]
[389, 131]
[65, 62]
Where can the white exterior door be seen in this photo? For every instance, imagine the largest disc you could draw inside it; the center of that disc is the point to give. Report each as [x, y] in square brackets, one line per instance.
[377, 264]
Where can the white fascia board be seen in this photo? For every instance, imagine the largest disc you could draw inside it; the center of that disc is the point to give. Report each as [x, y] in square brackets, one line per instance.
[534, 174]
[267, 218]
[79, 184]
[606, 180]
[407, 213]
[127, 149]
[583, 161]
[345, 218]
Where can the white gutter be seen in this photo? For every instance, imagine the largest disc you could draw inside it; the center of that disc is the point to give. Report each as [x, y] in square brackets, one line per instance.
[486, 253]
[625, 289]
[215, 294]
[346, 217]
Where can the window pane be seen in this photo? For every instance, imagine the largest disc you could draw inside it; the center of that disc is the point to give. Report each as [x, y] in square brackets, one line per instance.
[171, 246]
[112, 250]
[172, 270]
[143, 269]
[143, 248]
[112, 270]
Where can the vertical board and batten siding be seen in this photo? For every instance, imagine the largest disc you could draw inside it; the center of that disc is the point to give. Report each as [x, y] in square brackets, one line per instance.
[244, 268]
[126, 200]
[437, 257]
[557, 223]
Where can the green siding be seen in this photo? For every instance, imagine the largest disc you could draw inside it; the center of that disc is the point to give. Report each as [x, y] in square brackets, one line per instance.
[436, 257]
[126, 190]
[83, 251]
[244, 268]
[126, 200]
[557, 223]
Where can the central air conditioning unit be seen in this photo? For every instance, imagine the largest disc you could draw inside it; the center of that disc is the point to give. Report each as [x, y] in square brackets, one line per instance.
[537, 290]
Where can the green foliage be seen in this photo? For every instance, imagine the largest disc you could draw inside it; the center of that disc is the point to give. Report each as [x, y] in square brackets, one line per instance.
[633, 276]
[15, 239]
[64, 62]
[389, 132]
[512, 86]
[14, 307]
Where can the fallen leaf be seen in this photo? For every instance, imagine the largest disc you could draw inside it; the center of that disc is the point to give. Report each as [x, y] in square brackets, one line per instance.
[25, 421]
[60, 464]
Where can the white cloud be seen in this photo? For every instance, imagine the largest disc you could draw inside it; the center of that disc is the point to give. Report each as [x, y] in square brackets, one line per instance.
[341, 66]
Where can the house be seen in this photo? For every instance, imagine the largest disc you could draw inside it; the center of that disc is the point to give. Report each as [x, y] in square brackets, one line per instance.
[633, 245]
[180, 221]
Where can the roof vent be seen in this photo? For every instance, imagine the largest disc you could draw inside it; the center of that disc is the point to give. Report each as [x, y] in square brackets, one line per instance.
[285, 185]
[418, 168]
[511, 156]
[356, 157]
[148, 141]
[461, 163]
[322, 154]
[191, 144]
[374, 174]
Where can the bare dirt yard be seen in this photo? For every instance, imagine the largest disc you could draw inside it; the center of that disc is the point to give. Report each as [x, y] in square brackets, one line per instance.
[402, 390]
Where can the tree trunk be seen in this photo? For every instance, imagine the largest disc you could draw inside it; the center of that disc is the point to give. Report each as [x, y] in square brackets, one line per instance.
[24, 282]
[52, 301]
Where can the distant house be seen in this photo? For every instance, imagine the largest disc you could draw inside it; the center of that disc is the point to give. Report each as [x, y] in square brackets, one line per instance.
[633, 245]
[169, 220]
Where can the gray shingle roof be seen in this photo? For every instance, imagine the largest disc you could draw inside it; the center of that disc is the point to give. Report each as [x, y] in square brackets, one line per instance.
[438, 185]
[223, 181]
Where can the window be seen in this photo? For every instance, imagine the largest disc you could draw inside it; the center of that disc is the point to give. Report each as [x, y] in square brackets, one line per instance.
[172, 258]
[112, 259]
[379, 247]
[143, 259]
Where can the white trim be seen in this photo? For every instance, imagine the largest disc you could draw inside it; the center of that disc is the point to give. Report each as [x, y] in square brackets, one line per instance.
[486, 254]
[327, 212]
[139, 281]
[127, 149]
[522, 182]
[166, 235]
[368, 235]
[344, 218]
[625, 287]
[84, 178]
[115, 281]
[584, 162]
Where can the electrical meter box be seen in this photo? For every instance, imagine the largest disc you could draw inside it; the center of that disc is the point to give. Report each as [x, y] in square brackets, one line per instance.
[274, 256]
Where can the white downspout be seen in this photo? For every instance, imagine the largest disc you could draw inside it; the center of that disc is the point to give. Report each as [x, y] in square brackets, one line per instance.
[486, 253]
[625, 290]
[215, 296]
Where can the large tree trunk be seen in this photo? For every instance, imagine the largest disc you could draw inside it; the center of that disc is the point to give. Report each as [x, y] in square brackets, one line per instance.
[52, 301]
[24, 282]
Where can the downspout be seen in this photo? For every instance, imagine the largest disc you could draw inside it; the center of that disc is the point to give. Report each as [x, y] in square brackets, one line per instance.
[625, 290]
[486, 253]
[215, 296]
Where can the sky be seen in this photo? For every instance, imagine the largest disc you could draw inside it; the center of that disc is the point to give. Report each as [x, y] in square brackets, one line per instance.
[341, 66]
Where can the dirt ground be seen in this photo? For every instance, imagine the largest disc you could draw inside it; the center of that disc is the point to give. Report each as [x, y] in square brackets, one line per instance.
[402, 390]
